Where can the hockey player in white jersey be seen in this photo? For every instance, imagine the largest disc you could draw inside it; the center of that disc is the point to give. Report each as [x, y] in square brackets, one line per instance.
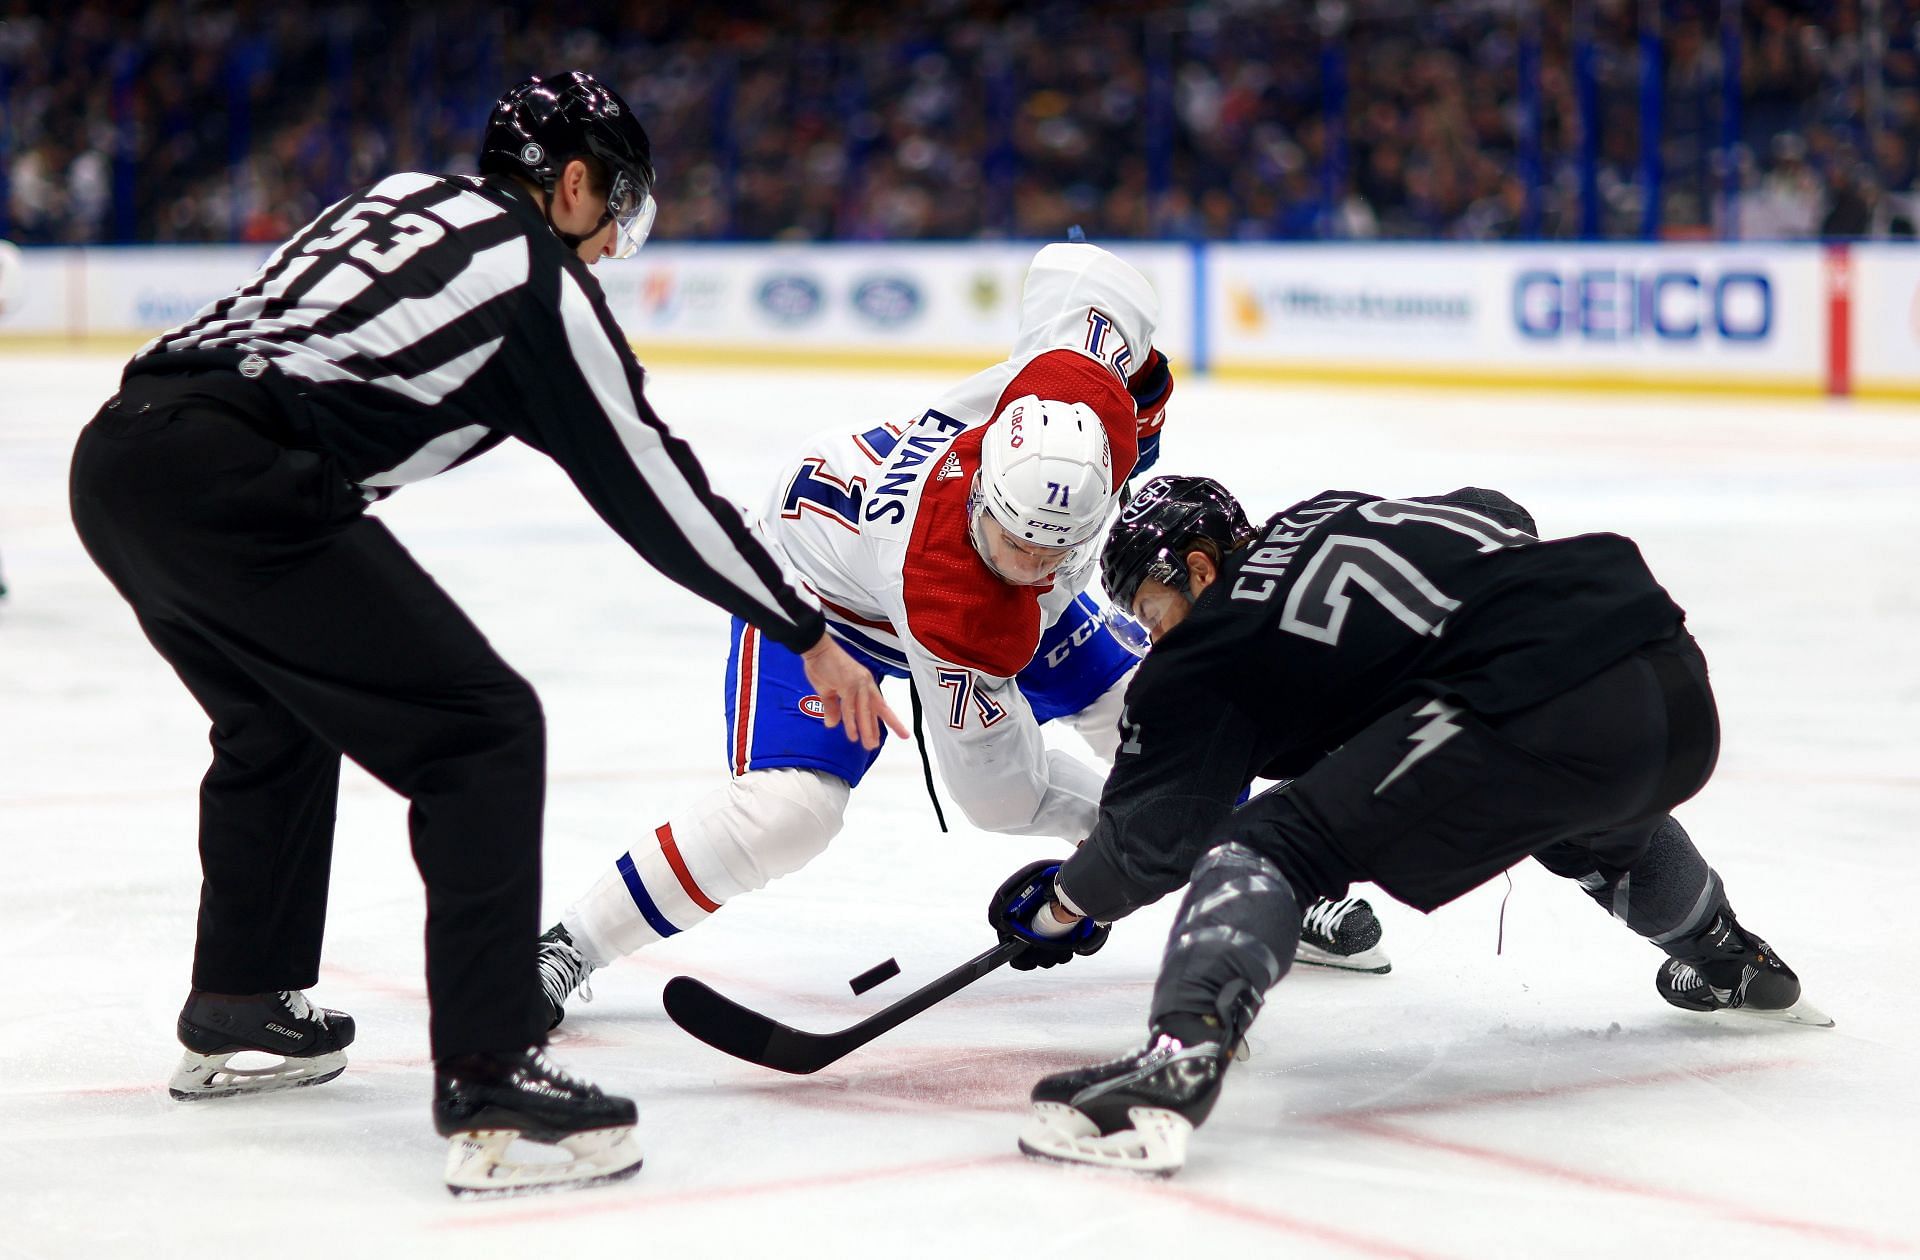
[949, 548]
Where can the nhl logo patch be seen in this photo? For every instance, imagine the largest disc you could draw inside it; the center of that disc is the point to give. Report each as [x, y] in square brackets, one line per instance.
[813, 707]
[532, 154]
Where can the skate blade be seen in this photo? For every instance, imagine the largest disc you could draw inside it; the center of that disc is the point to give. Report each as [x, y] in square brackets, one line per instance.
[201, 1076]
[1156, 1144]
[1803, 1013]
[1372, 961]
[477, 1167]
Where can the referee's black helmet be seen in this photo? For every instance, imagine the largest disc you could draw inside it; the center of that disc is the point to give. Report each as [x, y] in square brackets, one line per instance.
[541, 124]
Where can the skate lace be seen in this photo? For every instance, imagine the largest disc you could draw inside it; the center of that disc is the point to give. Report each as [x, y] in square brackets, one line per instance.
[563, 970]
[1685, 977]
[300, 1008]
[1326, 917]
[537, 1059]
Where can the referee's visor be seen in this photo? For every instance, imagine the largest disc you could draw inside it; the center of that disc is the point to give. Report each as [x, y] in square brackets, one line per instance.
[632, 207]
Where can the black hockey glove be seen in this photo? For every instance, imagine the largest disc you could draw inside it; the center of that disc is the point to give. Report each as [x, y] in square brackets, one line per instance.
[1011, 913]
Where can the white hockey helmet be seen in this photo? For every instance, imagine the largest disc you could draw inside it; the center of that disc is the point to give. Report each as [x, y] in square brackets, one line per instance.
[1046, 479]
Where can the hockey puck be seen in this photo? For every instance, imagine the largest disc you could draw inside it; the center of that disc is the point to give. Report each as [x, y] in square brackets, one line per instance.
[874, 976]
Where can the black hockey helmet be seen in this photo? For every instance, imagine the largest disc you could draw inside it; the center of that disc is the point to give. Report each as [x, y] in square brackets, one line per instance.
[1158, 527]
[540, 125]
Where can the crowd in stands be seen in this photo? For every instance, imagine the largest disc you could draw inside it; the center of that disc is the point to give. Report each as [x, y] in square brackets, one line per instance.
[179, 120]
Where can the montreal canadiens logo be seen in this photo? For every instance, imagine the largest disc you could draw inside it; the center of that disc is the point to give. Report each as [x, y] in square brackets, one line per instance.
[813, 706]
[1156, 492]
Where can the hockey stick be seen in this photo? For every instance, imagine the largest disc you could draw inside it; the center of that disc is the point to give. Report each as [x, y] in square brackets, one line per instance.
[731, 1028]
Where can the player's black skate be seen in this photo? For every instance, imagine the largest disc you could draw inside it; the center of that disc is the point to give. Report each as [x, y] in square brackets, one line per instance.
[483, 1102]
[563, 969]
[1727, 968]
[309, 1041]
[1135, 1112]
[1343, 934]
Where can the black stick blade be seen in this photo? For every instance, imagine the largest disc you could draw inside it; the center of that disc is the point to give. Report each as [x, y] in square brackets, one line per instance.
[732, 1029]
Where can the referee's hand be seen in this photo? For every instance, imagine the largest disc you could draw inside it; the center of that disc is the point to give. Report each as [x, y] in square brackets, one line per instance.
[849, 692]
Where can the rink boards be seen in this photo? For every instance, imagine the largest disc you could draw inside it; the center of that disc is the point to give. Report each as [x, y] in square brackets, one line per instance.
[1768, 319]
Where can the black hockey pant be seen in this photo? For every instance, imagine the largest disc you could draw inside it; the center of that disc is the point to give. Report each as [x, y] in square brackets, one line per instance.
[305, 631]
[1432, 800]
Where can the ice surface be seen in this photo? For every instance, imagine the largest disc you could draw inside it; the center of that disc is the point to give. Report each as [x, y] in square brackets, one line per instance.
[1541, 1101]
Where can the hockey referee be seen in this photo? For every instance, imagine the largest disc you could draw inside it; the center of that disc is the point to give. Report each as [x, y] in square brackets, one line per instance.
[224, 491]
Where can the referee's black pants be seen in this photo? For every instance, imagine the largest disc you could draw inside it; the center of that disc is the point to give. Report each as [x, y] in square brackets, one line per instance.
[305, 631]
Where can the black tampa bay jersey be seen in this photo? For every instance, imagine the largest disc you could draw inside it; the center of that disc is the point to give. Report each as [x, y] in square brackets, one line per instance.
[1342, 608]
[1348, 604]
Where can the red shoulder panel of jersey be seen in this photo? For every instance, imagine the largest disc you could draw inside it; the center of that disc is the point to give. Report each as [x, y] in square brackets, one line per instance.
[1071, 376]
[956, 607]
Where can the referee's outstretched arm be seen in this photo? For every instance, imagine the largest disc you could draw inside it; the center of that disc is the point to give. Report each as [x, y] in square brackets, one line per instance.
[648, 484]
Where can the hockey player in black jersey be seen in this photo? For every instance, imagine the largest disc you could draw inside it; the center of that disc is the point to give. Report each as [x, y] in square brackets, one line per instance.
[1446, 694]
[224, 490]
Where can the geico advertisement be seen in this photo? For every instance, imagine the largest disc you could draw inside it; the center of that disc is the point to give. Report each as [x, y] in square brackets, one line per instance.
[1680, 302]
[1519, 306]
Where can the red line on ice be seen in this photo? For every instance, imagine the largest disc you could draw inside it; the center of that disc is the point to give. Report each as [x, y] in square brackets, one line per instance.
[1277, 1220]
[1722, 1209]
[1373, 1121]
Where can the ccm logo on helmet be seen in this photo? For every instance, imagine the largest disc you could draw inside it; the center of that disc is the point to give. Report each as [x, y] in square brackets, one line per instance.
[813, 706]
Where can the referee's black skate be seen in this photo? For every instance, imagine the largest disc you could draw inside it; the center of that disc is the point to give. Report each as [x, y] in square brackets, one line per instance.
[1342, 934]
[1726, 968]
[563, 969]
[309, 1041]
[1136, 1112]
[483, 1102]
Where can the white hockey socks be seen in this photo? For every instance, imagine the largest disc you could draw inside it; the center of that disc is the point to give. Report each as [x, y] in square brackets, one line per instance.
[762, 825]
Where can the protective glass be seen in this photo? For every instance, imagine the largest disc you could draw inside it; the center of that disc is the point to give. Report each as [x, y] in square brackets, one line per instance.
[632, 208]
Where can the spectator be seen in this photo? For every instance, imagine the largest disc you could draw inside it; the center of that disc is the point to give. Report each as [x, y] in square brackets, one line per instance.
[1850, 203]
[817, 119]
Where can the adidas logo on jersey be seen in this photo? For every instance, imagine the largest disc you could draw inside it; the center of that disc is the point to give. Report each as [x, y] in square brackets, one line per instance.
[950, 469]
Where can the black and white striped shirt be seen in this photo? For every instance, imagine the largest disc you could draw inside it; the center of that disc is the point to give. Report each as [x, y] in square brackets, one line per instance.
[428, 318]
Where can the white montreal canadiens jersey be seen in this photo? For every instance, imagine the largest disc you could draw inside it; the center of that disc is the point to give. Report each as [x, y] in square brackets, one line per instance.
[875, 523]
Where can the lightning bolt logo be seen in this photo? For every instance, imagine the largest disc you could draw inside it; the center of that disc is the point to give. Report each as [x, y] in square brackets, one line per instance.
[1426, 739]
